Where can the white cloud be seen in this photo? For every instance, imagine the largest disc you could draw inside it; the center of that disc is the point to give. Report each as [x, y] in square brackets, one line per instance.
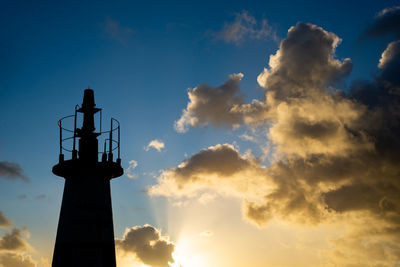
[247, 137]
[156, 144]
[130, 170]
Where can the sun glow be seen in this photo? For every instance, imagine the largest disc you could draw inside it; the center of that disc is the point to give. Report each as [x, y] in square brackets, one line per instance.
[128, 260]
[186, 254]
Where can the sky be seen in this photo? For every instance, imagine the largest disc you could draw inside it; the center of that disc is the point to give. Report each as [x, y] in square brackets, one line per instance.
[253, 133]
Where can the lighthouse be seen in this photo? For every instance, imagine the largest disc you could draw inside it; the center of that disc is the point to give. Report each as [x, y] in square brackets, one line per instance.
[85, 234]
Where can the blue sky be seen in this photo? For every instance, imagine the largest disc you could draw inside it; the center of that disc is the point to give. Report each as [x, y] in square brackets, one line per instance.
[140, 58]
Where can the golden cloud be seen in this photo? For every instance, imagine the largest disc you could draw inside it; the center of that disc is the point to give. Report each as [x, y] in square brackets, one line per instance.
[220, 167]
[4, 221]
[14, 241]
[212, 105]
[148, 245]
[336, 154]
[10, 259]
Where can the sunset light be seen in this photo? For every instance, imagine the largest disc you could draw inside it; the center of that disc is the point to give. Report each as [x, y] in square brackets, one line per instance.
[200, 133]
[186, 255]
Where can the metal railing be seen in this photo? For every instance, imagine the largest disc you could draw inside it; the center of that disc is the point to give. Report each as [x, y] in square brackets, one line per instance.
[110, 139]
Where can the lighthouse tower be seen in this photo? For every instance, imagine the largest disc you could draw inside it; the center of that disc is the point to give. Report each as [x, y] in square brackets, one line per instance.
[85, 234]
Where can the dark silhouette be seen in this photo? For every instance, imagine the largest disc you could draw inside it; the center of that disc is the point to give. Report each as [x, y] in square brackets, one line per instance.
[85, 234]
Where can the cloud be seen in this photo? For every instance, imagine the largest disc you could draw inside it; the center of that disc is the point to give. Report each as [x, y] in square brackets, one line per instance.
[299, 73]
[391, 52]
[305, 61]
[41, 196]
[246, 27]
[16, 260]
[323, 139]
[114, 31]
[212, 105]
[366, 244]
[326, 140]
[156, 144]
[13, 246]
[389, 65]
[266, 192]
[247, 137]
[335, 154]
[130, 170]
[387, 22]
[305, 120]
[220, 167]
[149, 246]
[11, 171]
[14, 241]
[45, 262]
[4, 221]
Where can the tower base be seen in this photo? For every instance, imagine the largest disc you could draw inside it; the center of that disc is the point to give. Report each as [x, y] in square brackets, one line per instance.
[85, 234]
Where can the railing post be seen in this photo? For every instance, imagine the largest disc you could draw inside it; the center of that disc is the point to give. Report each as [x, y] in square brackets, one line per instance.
[74, 152]
[61, 156]
[60, 136]
[104, 156]
[119, 146]
[110, 155]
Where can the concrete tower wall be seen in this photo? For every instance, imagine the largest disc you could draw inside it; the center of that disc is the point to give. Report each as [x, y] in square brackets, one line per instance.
[85, 235]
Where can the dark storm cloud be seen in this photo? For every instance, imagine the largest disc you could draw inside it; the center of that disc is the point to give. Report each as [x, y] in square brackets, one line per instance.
[148, 245]
[11, 171]
[386, 22]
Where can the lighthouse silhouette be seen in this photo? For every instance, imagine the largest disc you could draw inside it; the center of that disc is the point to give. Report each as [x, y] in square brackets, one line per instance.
[85, 234]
